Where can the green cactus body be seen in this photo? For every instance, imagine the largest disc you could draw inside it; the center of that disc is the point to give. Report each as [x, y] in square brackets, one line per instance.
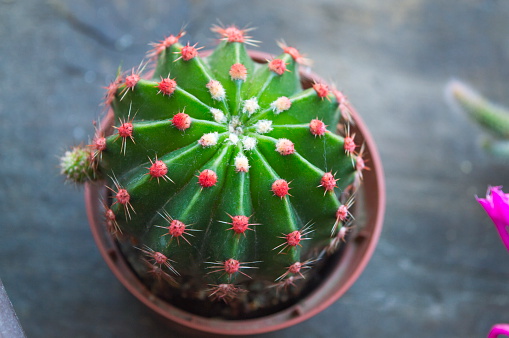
[226, 170]
[493, 118]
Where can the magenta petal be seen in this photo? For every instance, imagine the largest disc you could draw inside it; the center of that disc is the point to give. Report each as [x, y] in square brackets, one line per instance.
[486, 204]
[500, 205]
[498, 329]
[496, 205]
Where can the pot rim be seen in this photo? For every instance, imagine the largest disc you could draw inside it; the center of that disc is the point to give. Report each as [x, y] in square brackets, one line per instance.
[356, 255]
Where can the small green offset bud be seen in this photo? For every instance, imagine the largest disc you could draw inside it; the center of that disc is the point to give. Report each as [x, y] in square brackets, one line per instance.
[76, 164]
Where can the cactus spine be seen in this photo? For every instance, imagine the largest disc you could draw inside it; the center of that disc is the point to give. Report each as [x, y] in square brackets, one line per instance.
[225, 171]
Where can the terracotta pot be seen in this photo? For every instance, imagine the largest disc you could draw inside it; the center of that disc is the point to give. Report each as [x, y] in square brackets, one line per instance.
[370, 204]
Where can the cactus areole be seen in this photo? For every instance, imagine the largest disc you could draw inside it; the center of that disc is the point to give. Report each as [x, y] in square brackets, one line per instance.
[222, 177]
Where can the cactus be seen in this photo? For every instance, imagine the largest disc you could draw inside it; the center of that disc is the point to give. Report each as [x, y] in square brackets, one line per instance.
[226, 174]
[492, 118]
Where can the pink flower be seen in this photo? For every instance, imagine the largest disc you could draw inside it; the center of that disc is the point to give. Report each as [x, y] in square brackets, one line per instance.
[499, 329]
[496, 205]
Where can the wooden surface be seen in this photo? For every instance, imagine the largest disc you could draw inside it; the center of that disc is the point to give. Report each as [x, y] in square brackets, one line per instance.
[439, 270]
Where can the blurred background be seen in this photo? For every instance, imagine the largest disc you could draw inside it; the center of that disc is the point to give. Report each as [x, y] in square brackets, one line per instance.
[439, 270]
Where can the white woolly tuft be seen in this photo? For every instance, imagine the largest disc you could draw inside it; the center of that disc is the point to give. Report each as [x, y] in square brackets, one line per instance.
[281, 104]
[209, 139]
[218, 115]
[250, 106]
[249, 143]
[241, 163]
[285, 146]
[216, 90]
[263, 126]
[233, 138]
